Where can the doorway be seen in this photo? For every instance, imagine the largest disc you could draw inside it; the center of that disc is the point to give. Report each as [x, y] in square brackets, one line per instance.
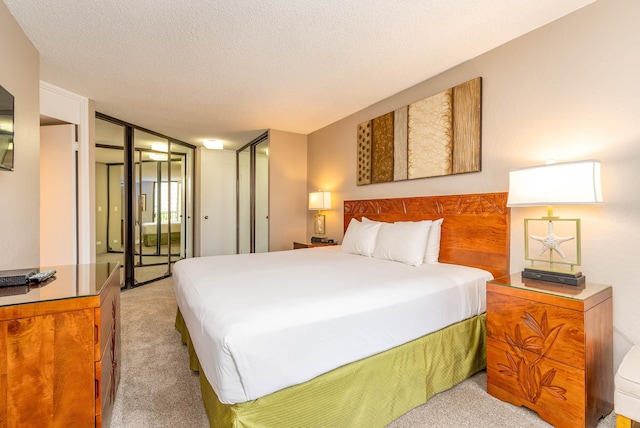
[144, 200]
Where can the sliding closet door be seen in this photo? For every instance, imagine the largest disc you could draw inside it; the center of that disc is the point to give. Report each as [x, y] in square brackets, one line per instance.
[184, 167]
[253, 196]
[245, 237]
[262, 196]
[145, 183]
[109, 193]
[161, 218]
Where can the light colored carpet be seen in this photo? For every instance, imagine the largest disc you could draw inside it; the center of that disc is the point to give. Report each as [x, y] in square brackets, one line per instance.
[158, 390]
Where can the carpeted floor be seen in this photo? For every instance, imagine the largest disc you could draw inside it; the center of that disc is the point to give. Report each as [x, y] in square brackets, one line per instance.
[158, 390]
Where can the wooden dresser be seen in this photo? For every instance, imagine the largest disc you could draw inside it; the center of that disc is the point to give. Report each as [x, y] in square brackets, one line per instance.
[60, 349]
[550, 348]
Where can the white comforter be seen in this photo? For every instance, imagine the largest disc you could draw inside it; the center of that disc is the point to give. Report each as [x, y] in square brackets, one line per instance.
[262, 322]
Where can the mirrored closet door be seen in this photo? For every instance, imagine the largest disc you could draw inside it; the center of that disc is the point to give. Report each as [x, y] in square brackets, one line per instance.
[144, 182]
[253, 196]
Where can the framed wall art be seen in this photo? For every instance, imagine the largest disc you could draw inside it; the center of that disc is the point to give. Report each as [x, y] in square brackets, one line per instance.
[438, 135]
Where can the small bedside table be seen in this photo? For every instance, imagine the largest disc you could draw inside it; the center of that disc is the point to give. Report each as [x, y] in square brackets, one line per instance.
[550, 348]
[297, 245]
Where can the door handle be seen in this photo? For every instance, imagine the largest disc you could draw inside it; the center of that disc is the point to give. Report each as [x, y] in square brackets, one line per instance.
[206, 217]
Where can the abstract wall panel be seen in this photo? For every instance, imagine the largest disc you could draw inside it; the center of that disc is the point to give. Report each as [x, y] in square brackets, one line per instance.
[436, 136]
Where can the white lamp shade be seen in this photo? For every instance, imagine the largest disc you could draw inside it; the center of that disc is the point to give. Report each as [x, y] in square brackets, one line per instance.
[566, 183]
[320, 200]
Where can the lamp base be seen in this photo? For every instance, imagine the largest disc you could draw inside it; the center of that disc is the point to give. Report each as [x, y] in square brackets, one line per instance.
[568, 278]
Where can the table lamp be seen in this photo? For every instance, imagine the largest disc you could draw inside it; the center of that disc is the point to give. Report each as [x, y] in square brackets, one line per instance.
[319, 201]
[566, 183]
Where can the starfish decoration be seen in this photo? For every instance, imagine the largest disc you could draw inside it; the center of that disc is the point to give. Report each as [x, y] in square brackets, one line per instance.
[551, 242]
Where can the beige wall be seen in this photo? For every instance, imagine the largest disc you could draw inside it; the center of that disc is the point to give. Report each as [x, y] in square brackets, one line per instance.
[19, 190]
[69, 107]
[566, 91]
[57, 195]
[287, 189]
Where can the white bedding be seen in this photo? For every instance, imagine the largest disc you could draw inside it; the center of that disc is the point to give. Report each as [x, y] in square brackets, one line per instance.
[262, 322]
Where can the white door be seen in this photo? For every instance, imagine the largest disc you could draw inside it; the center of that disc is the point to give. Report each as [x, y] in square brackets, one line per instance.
[217, 202]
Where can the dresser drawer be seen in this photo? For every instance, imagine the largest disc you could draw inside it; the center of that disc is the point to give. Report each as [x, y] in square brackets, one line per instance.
[104, 375]
[554, 332]
[107, 316]
[107, 370]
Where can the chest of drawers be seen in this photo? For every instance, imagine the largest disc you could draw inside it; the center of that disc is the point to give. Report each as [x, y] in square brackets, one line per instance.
[60, 349]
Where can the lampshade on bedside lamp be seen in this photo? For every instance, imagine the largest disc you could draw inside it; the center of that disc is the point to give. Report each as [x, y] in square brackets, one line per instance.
[319, 201]
[567, 183]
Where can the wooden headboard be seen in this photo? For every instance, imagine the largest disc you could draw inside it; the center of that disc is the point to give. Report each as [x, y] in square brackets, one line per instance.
[475, 231]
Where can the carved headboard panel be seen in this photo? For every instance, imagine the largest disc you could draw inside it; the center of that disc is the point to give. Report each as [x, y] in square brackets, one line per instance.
[475, 231]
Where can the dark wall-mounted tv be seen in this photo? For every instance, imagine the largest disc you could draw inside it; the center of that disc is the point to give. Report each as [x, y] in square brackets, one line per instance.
[6, 130]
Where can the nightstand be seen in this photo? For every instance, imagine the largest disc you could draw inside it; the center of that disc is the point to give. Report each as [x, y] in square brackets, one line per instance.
[297, 245]
[550, 348]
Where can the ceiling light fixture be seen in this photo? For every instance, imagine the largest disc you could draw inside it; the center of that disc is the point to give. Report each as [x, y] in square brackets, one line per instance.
[213, 144]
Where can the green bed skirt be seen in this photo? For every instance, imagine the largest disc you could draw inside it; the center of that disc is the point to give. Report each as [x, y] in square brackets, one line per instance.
[368, 393]
[151, 240]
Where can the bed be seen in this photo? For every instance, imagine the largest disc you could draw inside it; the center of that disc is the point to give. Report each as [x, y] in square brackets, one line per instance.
[377, 348]
[150, 233]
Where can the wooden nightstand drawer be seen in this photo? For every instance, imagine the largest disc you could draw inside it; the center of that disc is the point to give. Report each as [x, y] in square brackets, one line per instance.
[524, 378]
[554, 332]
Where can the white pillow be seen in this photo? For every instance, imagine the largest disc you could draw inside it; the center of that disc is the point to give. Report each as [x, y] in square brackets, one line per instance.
[360, 238]
[403, 241]
[432, 252]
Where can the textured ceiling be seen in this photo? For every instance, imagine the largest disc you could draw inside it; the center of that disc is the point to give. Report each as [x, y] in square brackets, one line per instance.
[228, 69]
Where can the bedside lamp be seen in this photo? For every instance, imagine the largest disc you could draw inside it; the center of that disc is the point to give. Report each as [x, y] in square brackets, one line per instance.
[566, 183]
[319, 201]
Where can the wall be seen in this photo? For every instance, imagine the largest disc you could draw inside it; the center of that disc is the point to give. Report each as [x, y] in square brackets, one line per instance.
[566, 91]
[287, 189]
[57, 195]
[69, 107]
[19, 190]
